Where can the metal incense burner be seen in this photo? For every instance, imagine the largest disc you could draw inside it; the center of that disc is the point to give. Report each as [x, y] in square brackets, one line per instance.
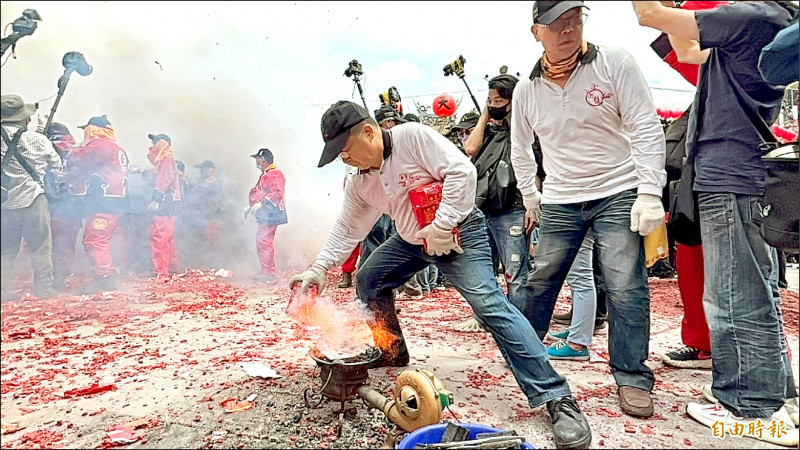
[419, 396]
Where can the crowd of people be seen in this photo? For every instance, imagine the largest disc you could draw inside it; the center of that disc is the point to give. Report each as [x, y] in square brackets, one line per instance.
[54, 186]
[577, 153]
[559, 178]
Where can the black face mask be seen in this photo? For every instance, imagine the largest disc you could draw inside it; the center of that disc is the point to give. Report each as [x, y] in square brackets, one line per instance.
[498, 113]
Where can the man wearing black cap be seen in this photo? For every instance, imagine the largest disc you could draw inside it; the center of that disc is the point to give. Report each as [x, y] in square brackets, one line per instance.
[387, 117]
[392, 163]
[604, 153]
[101, 166]
[269, 209]
[24, 206]
[166, 193]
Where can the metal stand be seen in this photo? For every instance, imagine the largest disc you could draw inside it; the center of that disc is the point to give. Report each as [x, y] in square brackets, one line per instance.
[357, 80]
[62, 86]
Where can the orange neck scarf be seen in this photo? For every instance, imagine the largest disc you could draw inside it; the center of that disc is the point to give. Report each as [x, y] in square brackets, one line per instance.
[93, 132]
[159, 151]
[270, 167]
[562, 69]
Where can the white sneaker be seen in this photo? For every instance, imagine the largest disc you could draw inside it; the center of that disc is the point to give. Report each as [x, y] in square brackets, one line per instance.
[791, 408]
[777, 429]
[790, 405]
[708, 394]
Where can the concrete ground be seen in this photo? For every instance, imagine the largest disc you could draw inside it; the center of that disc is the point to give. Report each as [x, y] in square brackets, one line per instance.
[172, 348]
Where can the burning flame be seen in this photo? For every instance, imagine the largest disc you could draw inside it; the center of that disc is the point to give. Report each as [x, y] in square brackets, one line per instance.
[342, 329]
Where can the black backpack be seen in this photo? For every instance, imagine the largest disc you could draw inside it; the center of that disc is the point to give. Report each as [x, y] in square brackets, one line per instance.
[497, 185]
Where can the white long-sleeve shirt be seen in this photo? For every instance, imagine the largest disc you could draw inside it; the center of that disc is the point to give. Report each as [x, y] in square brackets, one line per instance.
[600, 134]
[419, 156]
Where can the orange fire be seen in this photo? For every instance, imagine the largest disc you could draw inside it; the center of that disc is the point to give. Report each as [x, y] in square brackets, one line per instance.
[342, 329]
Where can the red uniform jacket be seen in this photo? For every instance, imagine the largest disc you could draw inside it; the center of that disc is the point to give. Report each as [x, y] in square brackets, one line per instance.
[167, 182]
[270, 191]
[101, 169]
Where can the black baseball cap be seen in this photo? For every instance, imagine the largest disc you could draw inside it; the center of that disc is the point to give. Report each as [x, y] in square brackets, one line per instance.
[545, 12]
[411, 118]
[335, 126]
[99, 121]
[265, 153]
[468, 121]
[386, 113]
[158, 137]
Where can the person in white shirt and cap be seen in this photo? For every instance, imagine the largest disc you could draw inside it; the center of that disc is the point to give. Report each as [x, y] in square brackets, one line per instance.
[391, 163]
[603, 151]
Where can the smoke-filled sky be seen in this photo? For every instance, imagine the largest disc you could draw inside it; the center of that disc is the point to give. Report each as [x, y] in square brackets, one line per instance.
[225, 79]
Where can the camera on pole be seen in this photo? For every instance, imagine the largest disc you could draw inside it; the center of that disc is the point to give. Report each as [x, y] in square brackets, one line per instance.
[355, 70]
[457, 68]
[25, 25]
[72, 62]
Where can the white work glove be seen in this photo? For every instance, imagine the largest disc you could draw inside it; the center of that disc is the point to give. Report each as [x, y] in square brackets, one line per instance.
[252, 210]
[153, 206]
[439, 242]
[647, 214]
[533, 204]
[315, 275]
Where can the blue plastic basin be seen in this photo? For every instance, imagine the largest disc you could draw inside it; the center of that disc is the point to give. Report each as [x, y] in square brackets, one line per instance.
[432, 434]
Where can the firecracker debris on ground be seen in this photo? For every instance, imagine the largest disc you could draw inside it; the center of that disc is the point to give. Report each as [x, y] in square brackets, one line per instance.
[153, 364]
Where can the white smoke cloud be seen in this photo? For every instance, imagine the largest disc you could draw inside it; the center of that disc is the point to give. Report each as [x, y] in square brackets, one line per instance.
[224, 79]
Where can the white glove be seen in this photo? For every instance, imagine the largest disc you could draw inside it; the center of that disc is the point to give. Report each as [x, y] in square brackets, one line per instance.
[647, 214]
[153, 206]
[316, 275]
[438, 241]
[252, 210]
[533, 204]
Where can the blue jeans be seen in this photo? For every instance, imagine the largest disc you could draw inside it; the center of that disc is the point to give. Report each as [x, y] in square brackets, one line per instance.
[379, 233]
[584, 295]
[507, 234]
[791, 392]
[471, 274]
[748, 370]
[621, 258]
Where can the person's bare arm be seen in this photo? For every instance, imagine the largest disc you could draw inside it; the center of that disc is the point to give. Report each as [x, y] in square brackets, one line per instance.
[475, 139]
[676, 22]
[687, 51]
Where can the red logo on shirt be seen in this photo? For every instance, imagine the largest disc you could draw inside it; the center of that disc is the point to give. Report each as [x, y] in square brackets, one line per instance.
[407, 179]
[595, 97]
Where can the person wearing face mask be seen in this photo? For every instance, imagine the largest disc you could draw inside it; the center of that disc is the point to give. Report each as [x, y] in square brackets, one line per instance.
[604, 151]
[489, 146]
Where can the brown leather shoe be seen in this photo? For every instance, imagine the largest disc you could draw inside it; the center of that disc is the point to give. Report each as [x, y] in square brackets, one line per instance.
[635, 402]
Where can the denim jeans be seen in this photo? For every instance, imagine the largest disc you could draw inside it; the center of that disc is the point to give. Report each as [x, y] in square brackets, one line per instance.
[584, 296]
[471, 274]
[380, 232]
[791, 392]
[621, 258]
[748, 370]
[507, 234]
[32, 224]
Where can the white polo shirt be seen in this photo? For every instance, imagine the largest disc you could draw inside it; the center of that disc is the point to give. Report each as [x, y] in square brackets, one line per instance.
[600, 134]
[420, 155]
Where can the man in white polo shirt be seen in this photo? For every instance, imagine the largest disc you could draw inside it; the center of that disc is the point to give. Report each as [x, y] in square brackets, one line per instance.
[391, 163]
[604, 153]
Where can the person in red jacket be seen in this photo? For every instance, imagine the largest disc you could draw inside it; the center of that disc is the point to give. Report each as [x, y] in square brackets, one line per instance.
[166, 192]
[101, 169]
[268, 207]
